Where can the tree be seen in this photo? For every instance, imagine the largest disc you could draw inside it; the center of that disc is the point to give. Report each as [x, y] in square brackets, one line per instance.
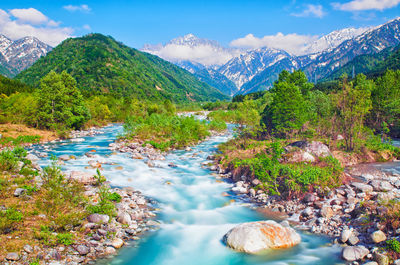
[385, 114]
[353, 104]
[287, 113]
[60, 104]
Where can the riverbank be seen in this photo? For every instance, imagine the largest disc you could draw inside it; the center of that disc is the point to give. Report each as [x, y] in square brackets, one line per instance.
[360, 215]
[66, 218]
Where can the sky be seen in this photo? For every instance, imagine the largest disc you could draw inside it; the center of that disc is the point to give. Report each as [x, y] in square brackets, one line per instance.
[232, 23]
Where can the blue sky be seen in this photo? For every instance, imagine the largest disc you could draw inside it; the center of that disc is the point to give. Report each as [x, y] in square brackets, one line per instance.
[138, 22]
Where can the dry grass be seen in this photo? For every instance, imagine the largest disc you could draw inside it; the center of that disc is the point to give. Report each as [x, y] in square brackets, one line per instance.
[15, 130]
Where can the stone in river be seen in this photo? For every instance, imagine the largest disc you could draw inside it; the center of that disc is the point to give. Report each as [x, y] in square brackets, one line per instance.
[378, 236]
[354, 253]
[254, 237]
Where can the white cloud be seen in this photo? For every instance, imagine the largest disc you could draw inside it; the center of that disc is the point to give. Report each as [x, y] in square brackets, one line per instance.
[82, 8]
[311, 11]
[18, 24]
[203, 54]
[293, 43]
[359, 5]
[29, 15]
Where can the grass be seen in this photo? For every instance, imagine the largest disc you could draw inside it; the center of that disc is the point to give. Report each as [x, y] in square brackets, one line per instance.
[262, 160]
[166, 131]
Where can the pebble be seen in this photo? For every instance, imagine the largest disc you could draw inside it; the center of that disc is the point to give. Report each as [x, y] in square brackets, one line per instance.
[378, 236]
[12, 256]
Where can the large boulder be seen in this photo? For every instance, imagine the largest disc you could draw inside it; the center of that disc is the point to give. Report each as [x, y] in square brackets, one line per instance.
[254, 237]
[315, 148]
[299, 156]
[354, 253]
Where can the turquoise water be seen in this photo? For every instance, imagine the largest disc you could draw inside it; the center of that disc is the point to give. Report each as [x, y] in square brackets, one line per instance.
[194, 215]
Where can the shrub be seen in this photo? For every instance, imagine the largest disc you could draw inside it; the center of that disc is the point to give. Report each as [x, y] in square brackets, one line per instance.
[105, 205]
[65, 238]
[114, 197]
[9, 219]
[393, 245]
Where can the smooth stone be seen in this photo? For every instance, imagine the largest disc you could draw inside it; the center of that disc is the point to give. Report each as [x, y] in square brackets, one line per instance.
[371, 263]
[110, 251]
[382, 259]
[98, 218]
[253, 237]
[345, 235]
[82, 250]
[124, 218]
[28, 249]
[365, 188]
[117, 243]
[12, 256]
[19, 192]
[64, 157]
[83, 177]
[354, 253]
[326, 212]
[353, 240]
[378, 236]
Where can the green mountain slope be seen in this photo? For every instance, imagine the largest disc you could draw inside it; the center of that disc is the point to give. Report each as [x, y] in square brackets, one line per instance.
[102, 65]
[10, 86]
[370, 64]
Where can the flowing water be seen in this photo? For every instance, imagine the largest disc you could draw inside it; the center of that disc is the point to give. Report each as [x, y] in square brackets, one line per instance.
[194, 214]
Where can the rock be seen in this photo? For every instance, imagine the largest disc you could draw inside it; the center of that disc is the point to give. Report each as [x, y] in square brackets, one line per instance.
[32, 157]
[378, 236]
[381, 258]
[326, 212]
[256, 236]
[381, 185]
[141, 201]
[309, 197]
[354, 253]
[371, 263]
[300, 156]
[98, 218]
[314, 148]
[362, 187]
[12, 256]
[82, 250]
[345, 235]
[396, 262]
[19, 192]
[353, 240]
[83, 177]
[255, 182]
[64, 157]
[307, 212]
[110, 251]
[28, 249]
[117, 243]
[124, 218]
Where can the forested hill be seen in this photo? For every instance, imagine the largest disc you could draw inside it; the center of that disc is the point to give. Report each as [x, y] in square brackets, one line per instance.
[370, 64]
[102, 65]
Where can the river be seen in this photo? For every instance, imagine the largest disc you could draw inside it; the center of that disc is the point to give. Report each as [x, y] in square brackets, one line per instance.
[194, 214]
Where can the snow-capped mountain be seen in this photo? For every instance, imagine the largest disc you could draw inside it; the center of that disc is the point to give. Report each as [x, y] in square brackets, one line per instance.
[320, 65]
[372, 41]
[20, 54]
[332, 40]
[244, 67]
[193, 49]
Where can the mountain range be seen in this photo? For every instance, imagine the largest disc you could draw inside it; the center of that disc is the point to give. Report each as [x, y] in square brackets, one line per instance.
[257, 69]
[16, 56]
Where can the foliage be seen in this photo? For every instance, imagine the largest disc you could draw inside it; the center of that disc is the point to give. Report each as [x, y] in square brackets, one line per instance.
[19, 140]
[60, 104]
[63, 199]
[353, 104]
[9, 159]
[115, 197]
[102, 65]
[393, 245]
[105, 205]
[286, 114]
[286, 179]
[9, 219]
[166, 131]
[65, 238]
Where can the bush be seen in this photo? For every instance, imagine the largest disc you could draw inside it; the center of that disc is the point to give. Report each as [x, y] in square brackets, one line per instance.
[65, 239]
[114, 197]
[105, 205]
[165, 131]
[9, 219]
[393, 245]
